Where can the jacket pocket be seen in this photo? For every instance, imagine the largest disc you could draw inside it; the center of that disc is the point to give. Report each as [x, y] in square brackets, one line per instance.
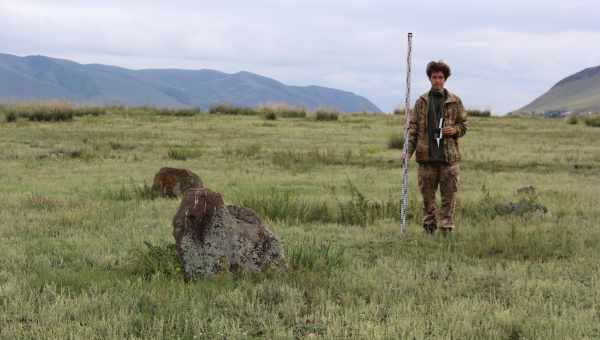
[422, 151]
[453, 152]
[450, 115]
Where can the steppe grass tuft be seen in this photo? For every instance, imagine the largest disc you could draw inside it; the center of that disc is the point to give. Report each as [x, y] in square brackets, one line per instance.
[155, 260]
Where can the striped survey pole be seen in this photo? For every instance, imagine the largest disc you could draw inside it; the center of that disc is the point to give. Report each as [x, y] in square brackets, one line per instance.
[404, 197]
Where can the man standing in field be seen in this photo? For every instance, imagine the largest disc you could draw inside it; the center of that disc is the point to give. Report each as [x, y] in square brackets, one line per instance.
[437, 157]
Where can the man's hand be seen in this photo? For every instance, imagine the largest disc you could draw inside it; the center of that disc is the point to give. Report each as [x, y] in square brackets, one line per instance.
[449, 131]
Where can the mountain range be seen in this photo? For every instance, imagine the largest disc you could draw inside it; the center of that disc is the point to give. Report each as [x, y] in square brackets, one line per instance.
[577, 93]
[34, 78]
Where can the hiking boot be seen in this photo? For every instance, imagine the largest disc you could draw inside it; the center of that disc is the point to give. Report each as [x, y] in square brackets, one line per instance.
[430, 228]
[447, 228]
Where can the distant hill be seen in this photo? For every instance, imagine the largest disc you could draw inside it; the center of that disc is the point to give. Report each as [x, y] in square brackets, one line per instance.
[44, 78]
[579, 92]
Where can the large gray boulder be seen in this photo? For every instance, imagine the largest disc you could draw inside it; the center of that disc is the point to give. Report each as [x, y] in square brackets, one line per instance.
[212, 237]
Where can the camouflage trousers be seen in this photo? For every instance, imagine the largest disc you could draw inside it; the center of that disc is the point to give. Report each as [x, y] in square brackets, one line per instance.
[431, 176]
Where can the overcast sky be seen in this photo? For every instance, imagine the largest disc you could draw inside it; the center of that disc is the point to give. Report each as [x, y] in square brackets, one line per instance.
[502, 53]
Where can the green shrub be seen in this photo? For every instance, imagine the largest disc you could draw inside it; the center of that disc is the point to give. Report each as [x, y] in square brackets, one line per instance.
[270, 115]
[185, 112]
[293, 113]
[89, 111]
[56, 116]
[326, 115]
[11, 117]
[592, 120]
[396, 141]
[283, 110]
[399, 111]
[572, 120]
[479, 113]
[228, 109]
[53, 111]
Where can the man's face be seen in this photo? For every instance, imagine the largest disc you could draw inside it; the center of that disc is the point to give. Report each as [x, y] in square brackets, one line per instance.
[437, 80]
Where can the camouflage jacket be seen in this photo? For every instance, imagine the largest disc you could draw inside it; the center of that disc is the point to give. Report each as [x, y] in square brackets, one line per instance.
[454, 115]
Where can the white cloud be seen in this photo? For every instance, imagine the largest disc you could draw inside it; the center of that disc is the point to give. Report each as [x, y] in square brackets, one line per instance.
[503, 53]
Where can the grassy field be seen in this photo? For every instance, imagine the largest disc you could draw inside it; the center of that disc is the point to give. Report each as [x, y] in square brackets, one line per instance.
[86, 251]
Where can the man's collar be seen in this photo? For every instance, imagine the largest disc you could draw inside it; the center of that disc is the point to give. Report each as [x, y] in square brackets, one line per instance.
[449, 96]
